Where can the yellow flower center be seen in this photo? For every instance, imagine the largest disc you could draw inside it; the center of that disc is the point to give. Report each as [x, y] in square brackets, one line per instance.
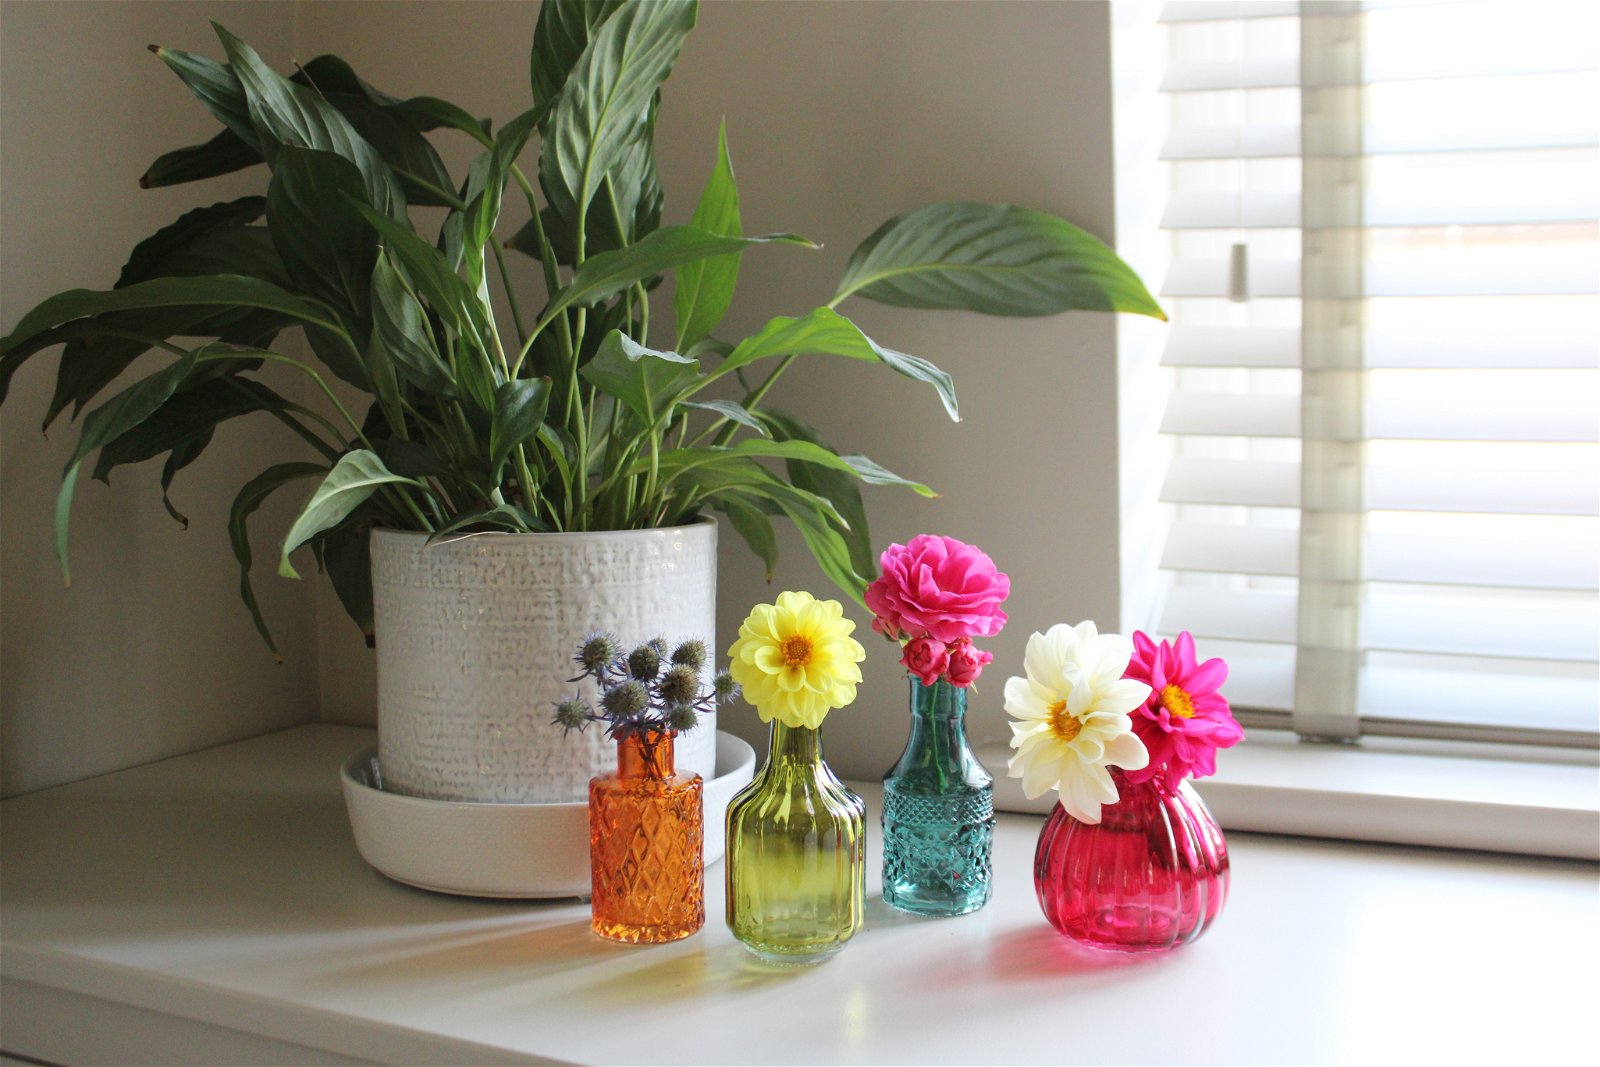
[796, 651]
[1064, 726]
[1177, 702]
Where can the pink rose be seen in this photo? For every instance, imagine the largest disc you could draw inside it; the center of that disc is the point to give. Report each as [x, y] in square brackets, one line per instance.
[925, 658]
[967, 662]
[938, 587]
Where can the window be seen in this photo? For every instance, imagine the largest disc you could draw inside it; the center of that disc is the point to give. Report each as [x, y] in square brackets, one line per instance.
[1379, 477]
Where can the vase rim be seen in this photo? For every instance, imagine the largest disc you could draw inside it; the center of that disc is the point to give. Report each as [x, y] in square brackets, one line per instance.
[692, 529]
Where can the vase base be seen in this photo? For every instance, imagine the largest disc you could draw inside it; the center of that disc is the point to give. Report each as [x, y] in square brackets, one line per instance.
[656, 934]
[934, 907]
[785, 958]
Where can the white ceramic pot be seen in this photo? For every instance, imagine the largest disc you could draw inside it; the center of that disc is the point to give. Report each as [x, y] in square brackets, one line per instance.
[475, 639]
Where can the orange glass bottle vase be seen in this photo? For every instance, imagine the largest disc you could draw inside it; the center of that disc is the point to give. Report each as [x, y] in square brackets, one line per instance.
[646, 844]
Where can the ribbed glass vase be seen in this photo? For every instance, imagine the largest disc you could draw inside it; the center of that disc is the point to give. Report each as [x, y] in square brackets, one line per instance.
[1151, 875]
[796, 855]
[646, 845]
[938, 811]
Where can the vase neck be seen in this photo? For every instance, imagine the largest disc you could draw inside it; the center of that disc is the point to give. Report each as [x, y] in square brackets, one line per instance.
[940, 701]
[645, 754]
[794, 745]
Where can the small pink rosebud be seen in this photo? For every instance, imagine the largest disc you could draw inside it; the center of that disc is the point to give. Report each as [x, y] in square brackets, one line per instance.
[967, 662]
[925, 658]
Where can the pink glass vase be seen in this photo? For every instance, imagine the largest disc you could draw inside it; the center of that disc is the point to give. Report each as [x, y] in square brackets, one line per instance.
[1152, 875]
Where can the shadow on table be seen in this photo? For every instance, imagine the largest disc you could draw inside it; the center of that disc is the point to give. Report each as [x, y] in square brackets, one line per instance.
[1040, 952]
[722, 967]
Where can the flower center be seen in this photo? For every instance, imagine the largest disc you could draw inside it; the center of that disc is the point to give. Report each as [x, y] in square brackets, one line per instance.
[1064, 726]
[1177, 702]
[796, 651]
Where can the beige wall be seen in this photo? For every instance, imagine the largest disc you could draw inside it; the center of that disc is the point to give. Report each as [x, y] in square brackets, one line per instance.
[839, 115]
[150, 652]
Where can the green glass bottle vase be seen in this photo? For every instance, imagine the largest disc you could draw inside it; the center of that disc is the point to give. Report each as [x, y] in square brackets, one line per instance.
[796, 855]
[938, 811]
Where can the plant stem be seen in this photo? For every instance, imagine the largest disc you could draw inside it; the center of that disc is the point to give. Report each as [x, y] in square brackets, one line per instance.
[754, 398]
[511, 297]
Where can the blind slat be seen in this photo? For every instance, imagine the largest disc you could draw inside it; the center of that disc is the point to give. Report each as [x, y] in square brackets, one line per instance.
[1531, 344]
[1531, 701]
[1275, 483]
[1540, 628]
[1513, 204]
[1239, 615]
[1468, 270]
[1520, 563]
[1566, 418]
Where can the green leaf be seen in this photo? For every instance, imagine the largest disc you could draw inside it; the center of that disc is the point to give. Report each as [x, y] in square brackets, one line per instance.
[644, 380]
[815, 517]
[519, 407]
[381, 122]
[347, 558]
[559, 38]
[753, 527]
[153, 257]
[558, 446]
[91, 360]
[393, 127]
[181, 456]
[400, 332]
[607, 98]
[251, 497]
[798, 448]
[838, 488]
[727, 409]
[430, 272]
[323, 241]
[610, 272]
[290, 115]
[430, 113]
[501, 517]
[352, 480]
[222, 290]
[114, 418]
[217, 87]
[993, 258]
[189, 415]
[483, 211]
[223, 154]
[826, 332]
[705, 288]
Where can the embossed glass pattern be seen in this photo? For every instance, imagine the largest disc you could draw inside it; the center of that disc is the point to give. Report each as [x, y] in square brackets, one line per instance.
[938, 811]
[646, 845]
[796, 855]
[1151, 876]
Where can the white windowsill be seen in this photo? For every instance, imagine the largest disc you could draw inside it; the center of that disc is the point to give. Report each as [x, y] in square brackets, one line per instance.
[212, 909]
[1379, 790]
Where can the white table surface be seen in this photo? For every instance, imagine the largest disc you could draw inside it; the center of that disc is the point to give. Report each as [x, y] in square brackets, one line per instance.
[212, 908]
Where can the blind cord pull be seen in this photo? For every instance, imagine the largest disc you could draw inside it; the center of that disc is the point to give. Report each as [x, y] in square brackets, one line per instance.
[1238, 273]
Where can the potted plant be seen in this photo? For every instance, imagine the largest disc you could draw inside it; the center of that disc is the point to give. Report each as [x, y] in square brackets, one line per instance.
[586, 437]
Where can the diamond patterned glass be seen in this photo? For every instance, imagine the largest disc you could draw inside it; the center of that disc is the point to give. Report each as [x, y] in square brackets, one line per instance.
[938, 811]
[646, 845]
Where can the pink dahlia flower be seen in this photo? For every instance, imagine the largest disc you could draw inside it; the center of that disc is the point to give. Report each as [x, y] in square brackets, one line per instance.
[925, 658]
[1185, 720]
[937, 587]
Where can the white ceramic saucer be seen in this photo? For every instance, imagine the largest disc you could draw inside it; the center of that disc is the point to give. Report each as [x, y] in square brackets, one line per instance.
[501, 850]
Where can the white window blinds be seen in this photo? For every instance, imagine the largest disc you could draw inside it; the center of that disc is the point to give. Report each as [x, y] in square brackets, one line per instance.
[1384, 471]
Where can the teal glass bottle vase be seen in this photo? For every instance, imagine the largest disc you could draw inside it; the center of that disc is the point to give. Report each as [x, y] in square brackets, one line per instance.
[796, 855]
[938, 811]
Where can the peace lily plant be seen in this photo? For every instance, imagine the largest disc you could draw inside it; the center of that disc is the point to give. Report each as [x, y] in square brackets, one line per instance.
[563, 418]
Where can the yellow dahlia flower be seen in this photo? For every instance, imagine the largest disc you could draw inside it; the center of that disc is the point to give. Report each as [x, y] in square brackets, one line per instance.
[796, 659]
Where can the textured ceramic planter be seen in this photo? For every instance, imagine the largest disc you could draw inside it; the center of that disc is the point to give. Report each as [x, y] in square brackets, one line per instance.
[475, 641]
